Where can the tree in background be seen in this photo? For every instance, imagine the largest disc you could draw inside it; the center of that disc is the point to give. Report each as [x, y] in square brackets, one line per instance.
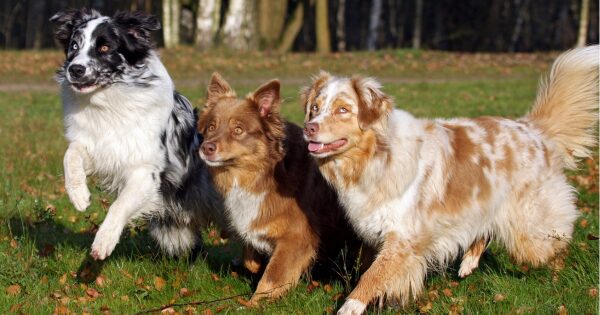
[171, 13]
[374, 24]
[322, 27]
[416, 42]
[208, 18]
[583, 23]
[292, 29]
[239, 29]
[271, 18]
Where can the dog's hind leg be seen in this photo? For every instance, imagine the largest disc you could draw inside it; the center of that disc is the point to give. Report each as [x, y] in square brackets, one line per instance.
[175, 238]
[540, 222]
[470, 259]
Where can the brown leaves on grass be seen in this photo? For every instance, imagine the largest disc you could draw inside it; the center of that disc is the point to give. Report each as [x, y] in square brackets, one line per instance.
[14, 289]
[159, 283]
[499, 297]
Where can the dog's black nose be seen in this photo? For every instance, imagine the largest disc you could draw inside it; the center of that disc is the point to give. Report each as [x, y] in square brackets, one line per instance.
[208, 148]
[76, 71]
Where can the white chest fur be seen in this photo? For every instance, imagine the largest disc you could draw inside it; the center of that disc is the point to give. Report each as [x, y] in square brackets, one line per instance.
[243, 208]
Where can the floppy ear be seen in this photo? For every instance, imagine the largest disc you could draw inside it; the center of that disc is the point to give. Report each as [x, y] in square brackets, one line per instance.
[267, 98]
[373, 104]
[136, 33]
[137, 24]
[66, 21]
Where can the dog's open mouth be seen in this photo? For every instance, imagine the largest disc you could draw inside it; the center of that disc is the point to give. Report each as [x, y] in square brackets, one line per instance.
[320, 147]
[84, 87]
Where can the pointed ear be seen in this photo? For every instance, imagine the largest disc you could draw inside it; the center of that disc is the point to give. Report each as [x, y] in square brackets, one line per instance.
[218, 88]
[309, 92]
[267, 98]
[65, 22]
[373, 104]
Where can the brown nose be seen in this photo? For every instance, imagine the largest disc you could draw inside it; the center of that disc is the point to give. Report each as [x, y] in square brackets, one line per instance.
[311, 128]
[208, 148]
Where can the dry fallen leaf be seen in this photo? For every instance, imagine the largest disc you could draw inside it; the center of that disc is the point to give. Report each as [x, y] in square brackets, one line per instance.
[328, 288]
[168, 310]
[61, 310]
[125, 298]
[14, 289]
[583, 223]
[593, 292]
[63, 279]
[207, 312]
[215, 277]
[499, 297]
[93, 293]
[159, 283]
[185, 292]
[100, 281]
[244, 302]
[13, 243]
[562, 310]
[447, 292]
[425, 307]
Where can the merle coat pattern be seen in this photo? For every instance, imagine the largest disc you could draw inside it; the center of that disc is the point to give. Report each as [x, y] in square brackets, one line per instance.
[128, 127]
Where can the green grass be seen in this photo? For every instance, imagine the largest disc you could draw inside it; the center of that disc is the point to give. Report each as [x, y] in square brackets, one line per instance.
[44, 242]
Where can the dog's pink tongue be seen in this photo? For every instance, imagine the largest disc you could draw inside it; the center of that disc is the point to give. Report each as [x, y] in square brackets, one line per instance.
[314, 146]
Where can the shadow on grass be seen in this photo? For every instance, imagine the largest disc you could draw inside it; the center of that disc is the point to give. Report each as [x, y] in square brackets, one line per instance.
[135, 245]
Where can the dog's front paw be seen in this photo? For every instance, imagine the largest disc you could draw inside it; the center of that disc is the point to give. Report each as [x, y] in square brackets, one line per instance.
[104, 243]
[352, 307]
[467, 266]
[79, 196]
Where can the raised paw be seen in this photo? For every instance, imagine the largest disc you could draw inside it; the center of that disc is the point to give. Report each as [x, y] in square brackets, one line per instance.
[352, 307]
[104, 243]
[79, 196]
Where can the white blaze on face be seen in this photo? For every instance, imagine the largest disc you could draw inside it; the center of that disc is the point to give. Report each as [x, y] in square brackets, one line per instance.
[87, 43]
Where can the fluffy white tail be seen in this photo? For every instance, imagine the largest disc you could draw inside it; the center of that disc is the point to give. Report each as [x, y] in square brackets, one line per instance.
[566, 108]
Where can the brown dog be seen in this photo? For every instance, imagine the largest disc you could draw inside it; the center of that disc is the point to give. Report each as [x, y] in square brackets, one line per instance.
[276, 199]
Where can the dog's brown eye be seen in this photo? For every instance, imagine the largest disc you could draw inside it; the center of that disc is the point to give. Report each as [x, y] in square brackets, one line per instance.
[104, 48]
[314, 108]
[211, 128]
[238, 130]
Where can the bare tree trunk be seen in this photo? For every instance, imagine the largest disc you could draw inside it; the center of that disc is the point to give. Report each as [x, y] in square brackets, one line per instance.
[35, 23]
[171, 10]
[239, 30]
[416, 41]
[207, 23]
[166, 23]
[292, 29]
[583, 23]
[340, 31]
[374, 24]
[322, 27]
[271, 18]
[518, 24]
[175, 19]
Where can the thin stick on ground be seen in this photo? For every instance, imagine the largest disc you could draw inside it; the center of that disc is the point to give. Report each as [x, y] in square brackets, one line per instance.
[195, 303]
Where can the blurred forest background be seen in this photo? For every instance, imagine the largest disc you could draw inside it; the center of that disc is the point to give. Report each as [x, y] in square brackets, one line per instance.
[335, 25]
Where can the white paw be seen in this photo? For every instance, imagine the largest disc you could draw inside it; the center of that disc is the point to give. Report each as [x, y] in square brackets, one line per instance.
[79, 196]
[467, 266]
[352, 307]
[104, 243]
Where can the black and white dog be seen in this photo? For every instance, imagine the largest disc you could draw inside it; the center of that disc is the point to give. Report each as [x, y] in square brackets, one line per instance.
[127, 126]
